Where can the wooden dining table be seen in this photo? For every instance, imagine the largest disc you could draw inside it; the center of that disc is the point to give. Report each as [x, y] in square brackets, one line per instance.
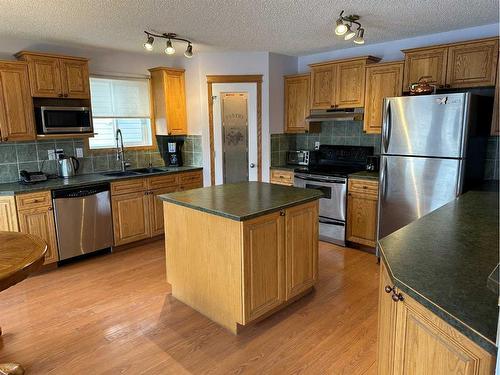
[20, 255]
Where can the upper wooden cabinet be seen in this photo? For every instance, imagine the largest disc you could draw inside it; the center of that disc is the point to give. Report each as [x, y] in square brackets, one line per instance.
[340, 83]
[56, 76]
[467, 64]
[16, 107]
[169, 101]
[297, 101]
[382, 81]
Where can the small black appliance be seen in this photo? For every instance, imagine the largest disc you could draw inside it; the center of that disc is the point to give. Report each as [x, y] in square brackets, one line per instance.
[174, 153]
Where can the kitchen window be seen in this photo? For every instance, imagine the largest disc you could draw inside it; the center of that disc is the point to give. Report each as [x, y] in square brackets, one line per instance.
[120, 103]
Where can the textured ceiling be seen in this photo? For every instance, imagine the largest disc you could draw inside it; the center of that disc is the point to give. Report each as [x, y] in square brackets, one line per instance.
[291, 27]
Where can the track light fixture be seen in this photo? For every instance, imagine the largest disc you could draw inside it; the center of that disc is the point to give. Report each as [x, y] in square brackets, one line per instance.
[344, 27]
[170, 49]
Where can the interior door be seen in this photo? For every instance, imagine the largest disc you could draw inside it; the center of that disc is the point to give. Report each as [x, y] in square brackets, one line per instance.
[431, 125]
[411, 187]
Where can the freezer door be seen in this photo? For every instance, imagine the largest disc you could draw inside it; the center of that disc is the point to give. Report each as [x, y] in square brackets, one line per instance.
[412, 187]
[430, 125]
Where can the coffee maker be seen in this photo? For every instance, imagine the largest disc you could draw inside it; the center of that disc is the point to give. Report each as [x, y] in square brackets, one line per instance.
[174, 153]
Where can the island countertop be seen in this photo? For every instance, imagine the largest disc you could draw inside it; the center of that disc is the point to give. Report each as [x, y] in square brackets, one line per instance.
[443, 261]
[242, 201]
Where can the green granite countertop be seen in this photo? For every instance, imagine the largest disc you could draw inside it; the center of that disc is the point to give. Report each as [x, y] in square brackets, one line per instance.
[443, 261]
[364, 175]
[13, 188]
[285, 167]
[242, 201]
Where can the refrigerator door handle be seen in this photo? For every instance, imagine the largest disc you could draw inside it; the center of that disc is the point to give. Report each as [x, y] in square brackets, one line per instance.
[386, 125]
[383, 179]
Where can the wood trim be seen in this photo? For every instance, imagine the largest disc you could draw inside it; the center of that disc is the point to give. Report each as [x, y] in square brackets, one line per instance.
[423, 48]
[369, 60]
[211, 79]
[54, 55]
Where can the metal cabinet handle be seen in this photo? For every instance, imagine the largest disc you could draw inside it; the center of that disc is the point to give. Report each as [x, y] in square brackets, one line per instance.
[50, 209]
[396, 297]
[60, 95]
[6, 139]
[282, 212]
[388, 289]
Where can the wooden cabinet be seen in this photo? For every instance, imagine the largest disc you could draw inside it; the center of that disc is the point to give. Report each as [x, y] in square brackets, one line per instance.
[282, 177]
[362, 212]
[495, 118]
[264, 265]
[169, 101]
[340, 83]
[57, 76]
[8, 214]
[137, 211]
[297, 103]
[413, 340]
[382, 81]
[457, 65]
[301, 235]
[16, 107]
[36, 216]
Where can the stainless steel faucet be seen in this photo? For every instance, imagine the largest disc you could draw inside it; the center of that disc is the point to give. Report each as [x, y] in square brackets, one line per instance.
[120, 152]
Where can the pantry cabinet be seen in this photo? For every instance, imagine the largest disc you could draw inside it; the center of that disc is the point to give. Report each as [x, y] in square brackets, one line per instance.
[57, 76]
[16, 107]
[362, 212]
[297, 103]
[382, 81]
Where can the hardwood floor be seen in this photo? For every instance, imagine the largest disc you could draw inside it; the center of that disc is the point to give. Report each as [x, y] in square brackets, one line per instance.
[114, 314]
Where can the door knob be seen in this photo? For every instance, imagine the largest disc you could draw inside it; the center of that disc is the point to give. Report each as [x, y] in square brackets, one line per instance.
[252, 165]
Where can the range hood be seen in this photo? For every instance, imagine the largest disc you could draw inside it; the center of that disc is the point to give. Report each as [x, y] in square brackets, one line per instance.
[345, 114]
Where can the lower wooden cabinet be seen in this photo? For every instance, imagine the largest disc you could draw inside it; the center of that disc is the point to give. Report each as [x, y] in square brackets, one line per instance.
[362, 212]
[413, 340]
[281, 177]
[131, 217]
[157, 221]
[8, 214]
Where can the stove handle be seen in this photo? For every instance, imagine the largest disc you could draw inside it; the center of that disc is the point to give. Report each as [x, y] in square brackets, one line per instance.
[331, 222]
[321, 180]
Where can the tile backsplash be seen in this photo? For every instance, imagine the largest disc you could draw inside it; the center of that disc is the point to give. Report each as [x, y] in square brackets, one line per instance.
[32, 156]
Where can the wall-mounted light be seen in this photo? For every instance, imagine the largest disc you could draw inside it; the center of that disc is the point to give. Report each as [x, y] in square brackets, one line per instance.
[169, 49]
[344, 27]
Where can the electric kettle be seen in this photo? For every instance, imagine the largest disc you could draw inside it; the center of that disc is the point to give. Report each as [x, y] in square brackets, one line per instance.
[67, 166]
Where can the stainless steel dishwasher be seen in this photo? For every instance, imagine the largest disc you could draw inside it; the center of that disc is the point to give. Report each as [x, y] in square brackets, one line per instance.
[83, 220]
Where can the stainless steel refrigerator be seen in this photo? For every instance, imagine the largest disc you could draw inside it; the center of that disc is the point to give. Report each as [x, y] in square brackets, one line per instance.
[432, 150]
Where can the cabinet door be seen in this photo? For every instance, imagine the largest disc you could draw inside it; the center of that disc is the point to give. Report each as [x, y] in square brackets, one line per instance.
[322, 91]
[263, 265]
[8, 214]
[301, 234]
[495, 118]
[425, 344]
[362, 218]
[381, 82]
[296, 103]
[16, 106]
[75, 79]
[427, 62]
[386, 324]
[40, 222]
[156, 210]
[350, 84]
[45, 76]
[175, 97]
[131, 217]
[472, 64]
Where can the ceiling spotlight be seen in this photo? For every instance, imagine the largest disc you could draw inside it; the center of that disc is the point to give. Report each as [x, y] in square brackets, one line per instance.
[189, 51]
[349, 33]
[149, 44]
[359, 36]
[341, 28]
[170, 50]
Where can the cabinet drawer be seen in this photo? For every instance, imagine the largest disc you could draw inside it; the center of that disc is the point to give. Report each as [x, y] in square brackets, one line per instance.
[194, 185]
[33, 200]
[190, 178]
[363, 187]
[129, 186]
[163, 181]
[281, 177]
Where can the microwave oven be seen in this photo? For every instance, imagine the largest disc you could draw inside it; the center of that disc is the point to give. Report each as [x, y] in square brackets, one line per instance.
[63, 120]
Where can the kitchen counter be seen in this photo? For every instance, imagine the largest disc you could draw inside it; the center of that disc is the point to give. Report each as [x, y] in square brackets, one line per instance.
[444, 259]
[13, 188]
[364, 175]
[242, 201]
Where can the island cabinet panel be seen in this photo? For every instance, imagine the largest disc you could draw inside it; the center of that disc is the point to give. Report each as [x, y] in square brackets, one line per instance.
[301, 248]
[131, 220]
[322, 86]
[382, 81]
[297, 102]
[386, 324]
[16, 107]
[8, 214]
[264, 265]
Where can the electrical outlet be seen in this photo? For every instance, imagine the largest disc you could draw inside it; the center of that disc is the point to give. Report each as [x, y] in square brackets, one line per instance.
[316, 145]
[51, 155]
[79, 152]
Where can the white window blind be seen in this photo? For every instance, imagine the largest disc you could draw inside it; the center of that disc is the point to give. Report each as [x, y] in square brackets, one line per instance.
[120, 104]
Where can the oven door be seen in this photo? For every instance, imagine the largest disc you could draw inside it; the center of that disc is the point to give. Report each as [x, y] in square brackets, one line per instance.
[333, 203]
[64, 120]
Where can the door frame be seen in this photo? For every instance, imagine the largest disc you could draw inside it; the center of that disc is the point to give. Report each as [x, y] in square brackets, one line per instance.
[257, 79]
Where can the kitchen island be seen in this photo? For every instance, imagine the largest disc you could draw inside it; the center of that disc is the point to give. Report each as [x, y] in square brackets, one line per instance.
[239, 252]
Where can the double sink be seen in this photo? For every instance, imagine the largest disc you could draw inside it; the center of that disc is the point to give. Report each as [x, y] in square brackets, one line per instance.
[134, 172]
